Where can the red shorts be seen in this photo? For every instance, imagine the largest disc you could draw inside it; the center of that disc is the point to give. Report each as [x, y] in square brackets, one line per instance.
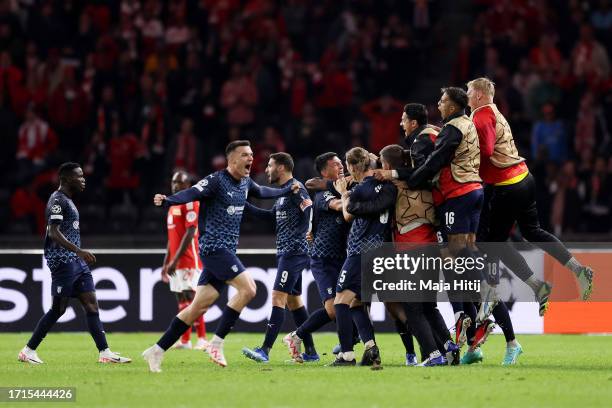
[424, 234]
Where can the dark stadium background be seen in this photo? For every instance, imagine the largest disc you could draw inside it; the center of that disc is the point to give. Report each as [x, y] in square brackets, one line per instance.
[135, 89]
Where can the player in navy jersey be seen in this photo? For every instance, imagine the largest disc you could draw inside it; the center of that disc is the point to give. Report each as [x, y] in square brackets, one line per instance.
[68, 263]
[223, 195]
[328, 252]
[292, 217]
[367, 233]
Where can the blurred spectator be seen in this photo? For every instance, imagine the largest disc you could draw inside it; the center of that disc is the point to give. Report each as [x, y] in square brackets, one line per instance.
[186, 152]
[123, 153]
[591, 61]
[384, 122]
[37, 142]
[239, 97]
[549, 135]
[566, 200]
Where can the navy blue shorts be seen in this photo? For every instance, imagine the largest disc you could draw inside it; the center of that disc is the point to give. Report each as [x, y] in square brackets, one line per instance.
[289, 273]
[219, 267]
[325, 272]
[460, 215]
[350, 275]
[71, 279]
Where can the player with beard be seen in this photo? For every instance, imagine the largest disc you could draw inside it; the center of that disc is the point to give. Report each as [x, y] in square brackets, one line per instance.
[292, 216]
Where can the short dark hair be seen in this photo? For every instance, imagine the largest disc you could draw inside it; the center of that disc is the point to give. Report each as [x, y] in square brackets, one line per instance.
[285, 159]
[231, 146]
[65, 169]
[457, 95]
[322, 159]
[395, 155]
[416, 111]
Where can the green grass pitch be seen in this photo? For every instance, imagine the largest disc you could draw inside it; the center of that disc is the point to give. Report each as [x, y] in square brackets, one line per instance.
[554, 371]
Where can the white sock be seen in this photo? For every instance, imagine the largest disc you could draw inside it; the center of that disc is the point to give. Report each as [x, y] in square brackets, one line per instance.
[107, 350]
[534, 283]
[512, 344]
[217, 340]
[159, 349]
[27, 349]
[348, 355]
[573, 265]
[369, 344]
[434, 354]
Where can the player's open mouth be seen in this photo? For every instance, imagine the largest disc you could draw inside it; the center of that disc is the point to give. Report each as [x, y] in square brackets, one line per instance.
[248, 168]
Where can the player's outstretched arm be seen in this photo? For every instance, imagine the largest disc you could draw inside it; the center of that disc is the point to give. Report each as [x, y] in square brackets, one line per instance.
[383, 201]
[268, 215]
[271, 192]
[56, 235]
[204, 188]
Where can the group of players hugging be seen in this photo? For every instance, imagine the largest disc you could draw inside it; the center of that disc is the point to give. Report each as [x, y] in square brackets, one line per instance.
[458, 186]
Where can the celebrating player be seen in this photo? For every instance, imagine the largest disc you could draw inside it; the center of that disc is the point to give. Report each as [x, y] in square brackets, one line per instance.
[70, 274]
[366, 234]
[512, 195]
[224, 194]
[454, 164]
[292, 216]
[182, 263]
[328, 253]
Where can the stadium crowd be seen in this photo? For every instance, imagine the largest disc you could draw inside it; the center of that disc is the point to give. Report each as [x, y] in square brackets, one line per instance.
[133, 89]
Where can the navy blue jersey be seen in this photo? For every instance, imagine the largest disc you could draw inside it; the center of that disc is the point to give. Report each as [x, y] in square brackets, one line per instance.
[61, 210]
[222, 200]
[370, 231]
[331, 229]
[293, 215]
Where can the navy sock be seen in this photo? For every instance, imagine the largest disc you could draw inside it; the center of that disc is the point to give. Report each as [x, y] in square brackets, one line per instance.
[470, 310]
[405, 335]
[299, 317]
[226, 322]
[42, 328]
[355, 334]
[502, 318]
[274, 326]
[173, 332]
[363, 323]
[344, 322]
[97, 330]
[316, 320]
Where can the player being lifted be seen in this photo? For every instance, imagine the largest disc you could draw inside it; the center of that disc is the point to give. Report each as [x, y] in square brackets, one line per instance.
[366, 234]
[292, 217]
[182, 262]
[223, 195]
[68, 263]
[328, 253]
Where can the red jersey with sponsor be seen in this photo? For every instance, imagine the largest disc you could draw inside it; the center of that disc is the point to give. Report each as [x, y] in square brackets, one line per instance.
[499, 159]
[181, 217]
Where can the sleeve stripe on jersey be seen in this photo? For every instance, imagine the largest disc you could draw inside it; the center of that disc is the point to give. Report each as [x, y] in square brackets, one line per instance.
[189, 205]
[56, 217]
[305, 204]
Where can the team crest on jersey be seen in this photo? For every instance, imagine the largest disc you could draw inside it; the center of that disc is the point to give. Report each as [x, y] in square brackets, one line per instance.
[56, 209]
[281, 201]
[191, 216]
[329, 291]
[59, 289]
[75, 225]
[378, 188]
[231, 210]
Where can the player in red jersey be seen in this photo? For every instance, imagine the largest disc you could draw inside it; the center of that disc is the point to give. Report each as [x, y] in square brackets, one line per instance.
[512, 195]
[182, 264]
